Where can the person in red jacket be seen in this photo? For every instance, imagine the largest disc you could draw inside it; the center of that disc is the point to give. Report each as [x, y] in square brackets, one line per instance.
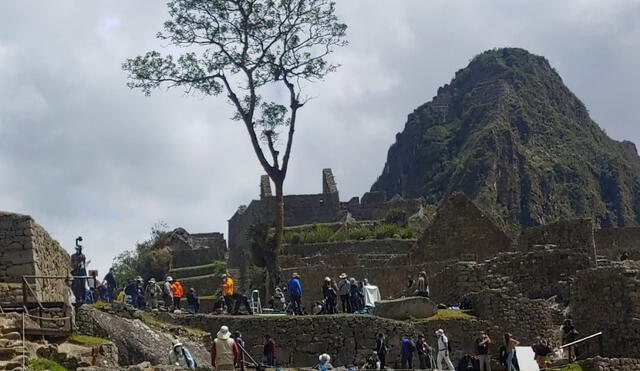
[178, 292]
[225, 354]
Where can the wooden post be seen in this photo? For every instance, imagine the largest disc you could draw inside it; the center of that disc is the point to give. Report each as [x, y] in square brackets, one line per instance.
[601, 345]
[24, 291]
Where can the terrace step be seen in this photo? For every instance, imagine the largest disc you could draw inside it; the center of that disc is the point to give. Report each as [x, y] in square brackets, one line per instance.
[193, 271]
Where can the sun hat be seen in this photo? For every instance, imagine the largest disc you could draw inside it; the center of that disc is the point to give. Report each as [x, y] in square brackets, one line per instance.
[295, 275]
[342, 275]
[440, 332]
[224, 333]
[169, 279]
[176, 343]
[325, 358]
[327, 279]
[152, 280]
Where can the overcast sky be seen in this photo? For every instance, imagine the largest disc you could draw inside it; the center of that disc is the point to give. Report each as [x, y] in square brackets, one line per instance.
[84, 155]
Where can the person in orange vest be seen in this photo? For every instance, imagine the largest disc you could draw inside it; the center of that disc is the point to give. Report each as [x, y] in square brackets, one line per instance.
[178, 291]
[227, 291]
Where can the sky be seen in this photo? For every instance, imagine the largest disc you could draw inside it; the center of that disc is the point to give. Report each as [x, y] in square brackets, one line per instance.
[85, 155]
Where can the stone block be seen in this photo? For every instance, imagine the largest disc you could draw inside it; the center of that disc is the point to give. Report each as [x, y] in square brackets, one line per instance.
[405, 308]
[18, 256]
[20, 270]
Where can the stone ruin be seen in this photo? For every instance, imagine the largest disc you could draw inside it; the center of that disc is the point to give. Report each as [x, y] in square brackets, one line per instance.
[26, 249]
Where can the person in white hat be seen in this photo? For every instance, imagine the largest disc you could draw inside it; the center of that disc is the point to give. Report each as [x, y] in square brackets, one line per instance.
[152, 293]
[167, 293]
[344, 287]
[442, 344]
[179, 356]
[225, 354]
[325, 363]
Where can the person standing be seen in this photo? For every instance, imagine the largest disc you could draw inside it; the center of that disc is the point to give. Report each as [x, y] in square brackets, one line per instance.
[227, 291]
[510, 345]
[167, 293]
[225, 354]
[79, 271]
[541, 350]
[110, 280]
[294, 288]
[381, 350]
[407, 347]
[237, 337]
[152, 293]
[354, 294]
[569, 335]
[178, 292]
[329, 294]
[482, 351]
[442, 344]
[424, 352]
[423, 285]
[193, 302]
[179, 356]
[344, 288]
[269, 351]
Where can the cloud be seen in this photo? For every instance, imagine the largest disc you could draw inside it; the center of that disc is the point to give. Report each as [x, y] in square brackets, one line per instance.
[86, 156]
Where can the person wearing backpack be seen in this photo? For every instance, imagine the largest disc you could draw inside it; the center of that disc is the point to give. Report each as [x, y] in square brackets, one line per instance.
[541, 350]
[444, 349]
[179, 356]
[424, 352]
[407, 347]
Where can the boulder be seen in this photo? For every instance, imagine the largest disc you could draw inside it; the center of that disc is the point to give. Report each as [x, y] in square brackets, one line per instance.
[405, 308]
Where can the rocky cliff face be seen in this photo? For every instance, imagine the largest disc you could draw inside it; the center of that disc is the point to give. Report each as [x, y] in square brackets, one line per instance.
[508, 133]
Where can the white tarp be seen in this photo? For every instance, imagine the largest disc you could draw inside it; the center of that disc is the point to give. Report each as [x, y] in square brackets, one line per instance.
[525, 359]
[371, 295]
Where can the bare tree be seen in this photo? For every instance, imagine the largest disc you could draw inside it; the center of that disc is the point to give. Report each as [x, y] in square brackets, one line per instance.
[247, 49]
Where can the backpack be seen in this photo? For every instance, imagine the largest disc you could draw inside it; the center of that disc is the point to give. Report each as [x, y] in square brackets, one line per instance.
[466, 363]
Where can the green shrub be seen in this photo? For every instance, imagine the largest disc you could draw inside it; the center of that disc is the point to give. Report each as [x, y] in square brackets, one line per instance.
[341, 235]
[383, 231]
[406, 232]
[292, 238]
[359, 233]
[321, 233]
[42, 364]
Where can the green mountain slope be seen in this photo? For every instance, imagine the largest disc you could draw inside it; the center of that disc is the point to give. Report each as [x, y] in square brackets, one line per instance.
[509, 134]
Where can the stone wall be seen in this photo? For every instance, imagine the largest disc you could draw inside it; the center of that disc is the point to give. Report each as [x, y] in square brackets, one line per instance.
[195, 249]
[347, 338]
[610, 364]
[523, 317]
[376, 206]
[386, 246]
[612, 242]
[459, 229]
[571, 234]
[10, 293]
[607, 299]
[27, 249]
[539, 273]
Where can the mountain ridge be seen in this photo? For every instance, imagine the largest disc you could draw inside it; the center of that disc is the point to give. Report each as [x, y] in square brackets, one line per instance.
[507, 132]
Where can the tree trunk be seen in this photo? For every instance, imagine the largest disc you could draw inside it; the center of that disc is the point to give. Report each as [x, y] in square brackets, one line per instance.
[273, 269]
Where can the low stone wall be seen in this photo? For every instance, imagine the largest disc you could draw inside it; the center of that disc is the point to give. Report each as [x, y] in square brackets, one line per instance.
[386, 246]
[607, 299]
[610, 364]
[348, 339]
[612, 242]
[456, 281]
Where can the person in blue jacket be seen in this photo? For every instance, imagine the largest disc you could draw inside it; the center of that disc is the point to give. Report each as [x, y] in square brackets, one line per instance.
[295, 292]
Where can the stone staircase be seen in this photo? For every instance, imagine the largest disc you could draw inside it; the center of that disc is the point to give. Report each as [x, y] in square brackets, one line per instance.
[11, 346]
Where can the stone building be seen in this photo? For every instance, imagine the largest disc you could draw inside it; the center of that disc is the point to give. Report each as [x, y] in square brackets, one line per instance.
[323, 207]
[26, 249]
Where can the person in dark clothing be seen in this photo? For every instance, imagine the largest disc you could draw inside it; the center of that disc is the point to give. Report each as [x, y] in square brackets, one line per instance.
[541, 350]
[79, 271]
[131, 291]
[624, 256]
[423, 285]
[237, 337]
[110, 280]
[407, 347]
[569, 335]
[295, 293]
[381, 350]
[193, 302]
[424, 352]
[482, 351]
[269, 351]
[330, 296]
[354, 296]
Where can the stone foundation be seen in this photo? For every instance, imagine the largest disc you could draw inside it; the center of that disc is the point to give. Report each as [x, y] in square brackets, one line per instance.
[610, 364]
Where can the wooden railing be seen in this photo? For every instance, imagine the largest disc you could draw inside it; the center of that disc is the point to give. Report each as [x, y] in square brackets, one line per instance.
[597, 334]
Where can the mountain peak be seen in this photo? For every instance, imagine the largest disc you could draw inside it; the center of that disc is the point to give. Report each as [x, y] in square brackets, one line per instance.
[507, 132]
